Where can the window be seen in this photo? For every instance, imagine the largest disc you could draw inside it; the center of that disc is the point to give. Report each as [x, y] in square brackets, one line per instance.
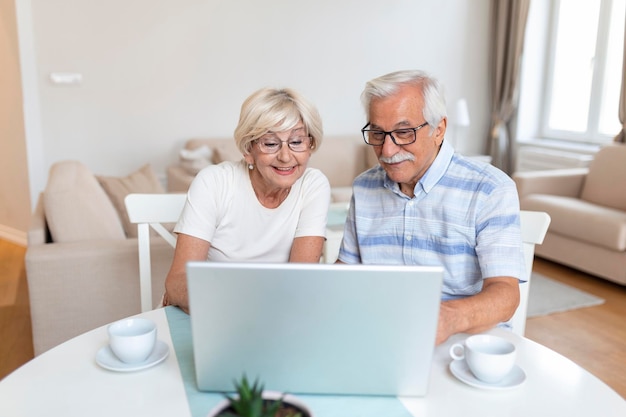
[584, 71]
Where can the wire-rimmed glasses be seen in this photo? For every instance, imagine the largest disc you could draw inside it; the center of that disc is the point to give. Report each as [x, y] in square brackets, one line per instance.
[273, 144]
[404, 136]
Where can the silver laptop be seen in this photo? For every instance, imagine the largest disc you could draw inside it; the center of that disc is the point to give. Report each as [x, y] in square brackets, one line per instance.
[314, 328]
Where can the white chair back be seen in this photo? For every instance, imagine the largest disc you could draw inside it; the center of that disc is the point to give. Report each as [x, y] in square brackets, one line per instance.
[150, 211]
[534, 226]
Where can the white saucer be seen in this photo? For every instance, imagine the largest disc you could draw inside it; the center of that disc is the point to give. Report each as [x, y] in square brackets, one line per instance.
[460, 370]
[107, 359]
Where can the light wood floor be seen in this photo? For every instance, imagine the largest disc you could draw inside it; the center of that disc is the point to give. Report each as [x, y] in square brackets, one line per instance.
[16, 344]
[593, 337]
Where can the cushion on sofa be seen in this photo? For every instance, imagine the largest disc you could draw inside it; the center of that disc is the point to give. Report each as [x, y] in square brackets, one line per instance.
[606, 182]
[195, 143]
[143, 180]
[76, 207]
[194, 160]
[226, 151]
[581, 220]
[341, 159]
[221, 149]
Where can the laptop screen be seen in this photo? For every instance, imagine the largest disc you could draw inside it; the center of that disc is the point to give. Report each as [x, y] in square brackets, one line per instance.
[314, 328]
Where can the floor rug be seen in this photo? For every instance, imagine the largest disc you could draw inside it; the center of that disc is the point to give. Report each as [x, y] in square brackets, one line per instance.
[548, 296]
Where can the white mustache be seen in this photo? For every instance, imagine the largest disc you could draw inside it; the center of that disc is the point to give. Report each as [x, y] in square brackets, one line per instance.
[397, 158]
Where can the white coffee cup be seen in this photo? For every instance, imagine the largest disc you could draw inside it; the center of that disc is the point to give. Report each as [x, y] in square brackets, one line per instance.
[490, 358]
[132, 340]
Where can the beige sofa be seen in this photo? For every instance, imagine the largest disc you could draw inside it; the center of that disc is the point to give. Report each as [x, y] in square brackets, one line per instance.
[340, 158]
[82, 261]
[588, 211]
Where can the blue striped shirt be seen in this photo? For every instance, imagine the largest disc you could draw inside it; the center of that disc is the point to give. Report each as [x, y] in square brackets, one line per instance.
[464, 216]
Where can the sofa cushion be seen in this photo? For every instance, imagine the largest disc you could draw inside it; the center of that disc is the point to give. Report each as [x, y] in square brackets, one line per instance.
[76, 207]
[195, 143]
[606, 182]
[581, 220]
[143, 180]
[341, 159]
[221, 149]
[194, 160]
[226, 151]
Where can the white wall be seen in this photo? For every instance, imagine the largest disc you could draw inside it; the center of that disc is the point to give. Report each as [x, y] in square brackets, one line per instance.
[158, 73]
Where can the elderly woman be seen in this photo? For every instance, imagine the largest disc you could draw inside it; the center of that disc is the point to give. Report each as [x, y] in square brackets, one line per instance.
[268, 207]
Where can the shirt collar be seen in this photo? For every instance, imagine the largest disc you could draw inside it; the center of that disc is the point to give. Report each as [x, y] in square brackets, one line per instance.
[438, 168]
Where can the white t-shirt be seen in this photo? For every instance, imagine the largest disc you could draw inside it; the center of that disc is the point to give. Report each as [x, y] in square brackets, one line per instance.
[222, 209]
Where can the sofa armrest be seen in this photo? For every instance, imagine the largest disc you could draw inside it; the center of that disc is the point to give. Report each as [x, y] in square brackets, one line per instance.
[562, 182]
[78, 286]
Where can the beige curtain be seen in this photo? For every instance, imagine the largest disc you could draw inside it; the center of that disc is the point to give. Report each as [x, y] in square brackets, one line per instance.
[508, 23]
[621, 136]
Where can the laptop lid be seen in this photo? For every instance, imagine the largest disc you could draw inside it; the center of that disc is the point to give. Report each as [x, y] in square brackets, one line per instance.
[314, 328]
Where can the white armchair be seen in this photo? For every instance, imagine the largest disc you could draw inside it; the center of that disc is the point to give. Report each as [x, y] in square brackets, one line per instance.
[588, 211]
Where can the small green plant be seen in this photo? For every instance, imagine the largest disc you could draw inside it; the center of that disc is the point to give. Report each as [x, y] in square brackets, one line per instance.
[250, 402]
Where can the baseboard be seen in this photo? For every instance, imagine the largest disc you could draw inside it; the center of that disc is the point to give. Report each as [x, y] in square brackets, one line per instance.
[18, 237]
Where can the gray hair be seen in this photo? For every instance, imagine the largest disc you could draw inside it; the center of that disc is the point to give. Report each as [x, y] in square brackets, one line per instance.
[387, 85]
[277, 110]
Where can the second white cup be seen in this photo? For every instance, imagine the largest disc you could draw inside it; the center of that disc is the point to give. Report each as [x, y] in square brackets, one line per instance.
[132, 340]
[490, 358]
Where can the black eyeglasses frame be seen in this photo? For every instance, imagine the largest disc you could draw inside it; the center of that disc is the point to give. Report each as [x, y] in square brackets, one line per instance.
[364, 131]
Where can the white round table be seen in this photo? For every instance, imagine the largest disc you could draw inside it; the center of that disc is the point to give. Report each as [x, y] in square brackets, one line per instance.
[66, 381]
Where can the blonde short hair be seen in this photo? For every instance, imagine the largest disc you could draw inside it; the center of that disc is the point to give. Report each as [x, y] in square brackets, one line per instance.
[277, 110]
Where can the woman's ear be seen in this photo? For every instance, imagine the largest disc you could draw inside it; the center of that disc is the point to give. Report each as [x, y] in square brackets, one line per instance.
[249, 158]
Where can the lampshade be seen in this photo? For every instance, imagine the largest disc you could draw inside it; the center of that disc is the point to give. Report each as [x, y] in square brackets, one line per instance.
[461, 113]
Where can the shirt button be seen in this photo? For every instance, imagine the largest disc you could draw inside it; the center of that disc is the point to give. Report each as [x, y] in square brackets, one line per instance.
[408, 238]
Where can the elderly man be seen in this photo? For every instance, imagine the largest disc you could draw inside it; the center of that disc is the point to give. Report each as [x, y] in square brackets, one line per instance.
[425, 205]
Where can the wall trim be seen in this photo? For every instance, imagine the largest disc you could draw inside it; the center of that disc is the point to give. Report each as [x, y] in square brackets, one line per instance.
[18, 237]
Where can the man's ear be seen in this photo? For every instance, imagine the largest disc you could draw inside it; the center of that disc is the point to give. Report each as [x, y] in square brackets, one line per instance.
[440, 130]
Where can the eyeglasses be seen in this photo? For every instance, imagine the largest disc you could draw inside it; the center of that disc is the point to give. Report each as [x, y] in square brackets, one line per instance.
[400, 137]
[273, 145]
